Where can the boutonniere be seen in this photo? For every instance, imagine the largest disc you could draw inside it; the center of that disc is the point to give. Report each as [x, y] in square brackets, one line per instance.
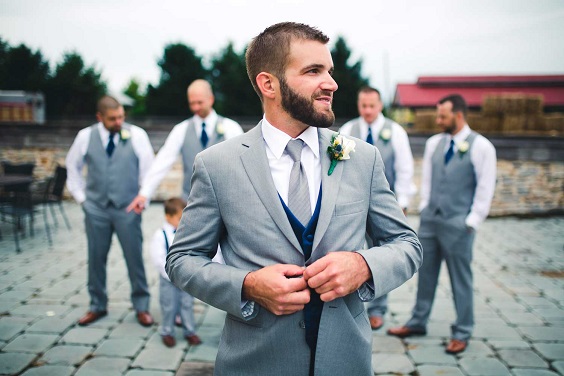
[124, 135]
[463, 147]
[339, 150]
[219, 129]
[386, 134]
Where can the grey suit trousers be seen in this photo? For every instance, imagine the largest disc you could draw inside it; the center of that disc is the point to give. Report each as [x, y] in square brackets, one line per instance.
[100, 224]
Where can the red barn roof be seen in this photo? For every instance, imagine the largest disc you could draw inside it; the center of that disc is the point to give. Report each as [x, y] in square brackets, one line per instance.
[429, 90]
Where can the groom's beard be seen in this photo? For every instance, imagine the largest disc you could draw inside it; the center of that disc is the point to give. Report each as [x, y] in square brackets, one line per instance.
[302, 109]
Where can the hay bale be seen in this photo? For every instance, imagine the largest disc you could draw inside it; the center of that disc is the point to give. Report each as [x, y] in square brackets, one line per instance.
[554, 122]
[534, 104]
[425, 121]
[513, 124]
[491, 123]
[474, 120]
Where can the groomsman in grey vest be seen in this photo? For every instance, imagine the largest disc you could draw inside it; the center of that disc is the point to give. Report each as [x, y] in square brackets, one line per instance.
[290, 202]
[391, 140]
[117, 156]
[188, 138]
[458, 183]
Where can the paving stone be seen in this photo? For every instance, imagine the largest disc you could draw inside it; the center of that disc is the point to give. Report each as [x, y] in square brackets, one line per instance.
[392, 363]
[477, 349]
[432, 355]
[483, 367]
[66, 355]
[426, 370]
[549, 312]
[195, 369]
[501, 344]
[37, 310]
[532, 372]
[522, 318]
[10, 327]
[201, 353]
[32, 343]
[495, 332]
[47, 370]
[558, 366]
[103, 366]
[522, 358]
[13, 363]
[387, 345]
[551, 351]
[124, 348]
[542, 333]
[164, 359]
[131, 330]
[51, 325]
[84, 336]
[140, 372]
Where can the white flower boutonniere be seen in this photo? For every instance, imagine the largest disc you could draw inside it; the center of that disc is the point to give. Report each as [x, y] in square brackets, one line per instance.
[339, 150]
[124, 135]
[463, 147]
[219, 129]
[386, 134]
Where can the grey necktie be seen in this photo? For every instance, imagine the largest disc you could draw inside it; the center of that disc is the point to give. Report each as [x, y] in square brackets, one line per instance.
[298, 192]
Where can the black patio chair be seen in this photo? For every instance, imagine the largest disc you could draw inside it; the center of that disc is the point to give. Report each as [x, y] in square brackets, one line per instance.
[53, 195]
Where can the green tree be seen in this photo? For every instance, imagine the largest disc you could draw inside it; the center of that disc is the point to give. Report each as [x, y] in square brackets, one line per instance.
[179, 67]
[74, 88]
[133, 91]
[234, 94]
[21, 68]
[349, 79]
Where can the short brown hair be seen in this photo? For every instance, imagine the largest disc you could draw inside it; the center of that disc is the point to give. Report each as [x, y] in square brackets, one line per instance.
[268, 51]
[174, 205]
[368, 90]
[458, 103]
[107, 103]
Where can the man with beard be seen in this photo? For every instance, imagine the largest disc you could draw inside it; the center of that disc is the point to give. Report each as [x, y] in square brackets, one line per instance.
[458, 184]
[291, 222]
[117, 156]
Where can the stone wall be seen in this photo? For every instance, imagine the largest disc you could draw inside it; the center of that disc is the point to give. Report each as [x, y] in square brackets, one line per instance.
[524, 187]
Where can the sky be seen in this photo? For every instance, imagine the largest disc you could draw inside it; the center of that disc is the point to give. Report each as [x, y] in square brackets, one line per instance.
[396, 40]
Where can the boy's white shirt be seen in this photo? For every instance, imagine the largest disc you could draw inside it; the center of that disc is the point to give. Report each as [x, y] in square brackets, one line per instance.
[158, 247]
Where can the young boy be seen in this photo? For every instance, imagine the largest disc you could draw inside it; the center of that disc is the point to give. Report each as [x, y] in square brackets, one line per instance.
[172, 299]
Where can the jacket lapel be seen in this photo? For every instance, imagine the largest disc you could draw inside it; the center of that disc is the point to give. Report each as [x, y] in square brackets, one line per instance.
[256, 166]
[330, 186]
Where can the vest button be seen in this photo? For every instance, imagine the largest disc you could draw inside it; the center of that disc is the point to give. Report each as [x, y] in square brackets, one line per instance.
[302, 324]
[309, 238]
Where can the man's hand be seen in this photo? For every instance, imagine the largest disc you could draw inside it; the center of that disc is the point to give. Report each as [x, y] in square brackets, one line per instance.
[279, 288]
[337, 274]
[137, 205]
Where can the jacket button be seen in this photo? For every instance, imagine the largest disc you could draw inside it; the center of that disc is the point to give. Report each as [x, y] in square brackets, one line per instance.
[302, 324]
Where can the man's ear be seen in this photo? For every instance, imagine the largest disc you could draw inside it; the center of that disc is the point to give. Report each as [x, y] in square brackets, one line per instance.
[99, 116]
[267, 84]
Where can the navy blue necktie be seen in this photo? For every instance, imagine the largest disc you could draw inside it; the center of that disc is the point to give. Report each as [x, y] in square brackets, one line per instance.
[111, 145]
[450, 152]
[369, 137]
[204, 136]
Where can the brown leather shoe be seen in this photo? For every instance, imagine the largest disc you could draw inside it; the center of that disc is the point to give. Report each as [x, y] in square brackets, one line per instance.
[405, 331]
[376, 322]
[90, 317]
[145, 318]
[456, 346]
[169, 341]
[193, 340]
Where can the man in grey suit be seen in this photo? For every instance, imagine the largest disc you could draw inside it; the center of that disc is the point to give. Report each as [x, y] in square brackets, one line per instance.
[117, 156]
[457, 187]
[291, 222]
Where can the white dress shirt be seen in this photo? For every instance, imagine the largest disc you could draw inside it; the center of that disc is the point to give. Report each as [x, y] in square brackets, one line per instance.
[483, 157]
[169, 152]
[76, 182]
[403, 159]
[158, 248]
[281, 163]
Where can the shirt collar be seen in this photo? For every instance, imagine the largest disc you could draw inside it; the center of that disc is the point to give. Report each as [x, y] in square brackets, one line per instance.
[460, 136]
[276, 140]
[211, 119]
[376, 125]
[168, 227]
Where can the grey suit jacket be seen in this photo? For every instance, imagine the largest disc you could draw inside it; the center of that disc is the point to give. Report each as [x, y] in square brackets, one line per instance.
[233, 202]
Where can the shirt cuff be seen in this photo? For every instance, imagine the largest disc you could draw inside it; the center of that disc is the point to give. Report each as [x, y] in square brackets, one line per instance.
[248, 309]
[473, 221]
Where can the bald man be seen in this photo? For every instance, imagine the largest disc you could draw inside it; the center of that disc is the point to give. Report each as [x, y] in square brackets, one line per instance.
[187, 138]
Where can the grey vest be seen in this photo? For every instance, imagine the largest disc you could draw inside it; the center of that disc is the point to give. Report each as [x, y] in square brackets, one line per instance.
[112, 179]
[193, 146]
[452, 185]
[384, 147]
